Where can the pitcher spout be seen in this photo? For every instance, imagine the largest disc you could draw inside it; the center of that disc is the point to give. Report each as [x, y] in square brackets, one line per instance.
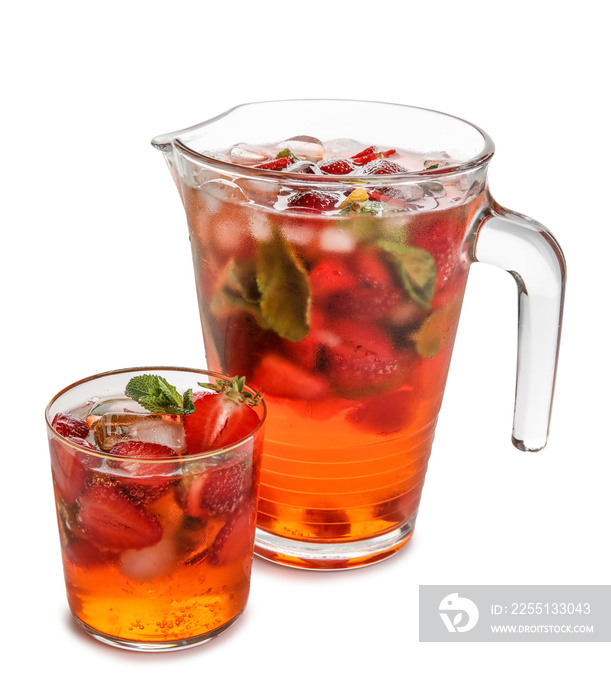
[163, 143]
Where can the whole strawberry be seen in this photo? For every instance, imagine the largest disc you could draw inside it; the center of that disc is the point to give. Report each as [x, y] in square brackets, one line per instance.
[223, 416]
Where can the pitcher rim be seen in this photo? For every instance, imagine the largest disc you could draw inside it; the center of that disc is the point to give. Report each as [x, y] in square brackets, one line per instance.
[165, 143]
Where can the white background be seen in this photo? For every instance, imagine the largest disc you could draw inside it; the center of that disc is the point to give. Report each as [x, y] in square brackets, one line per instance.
[96, 275]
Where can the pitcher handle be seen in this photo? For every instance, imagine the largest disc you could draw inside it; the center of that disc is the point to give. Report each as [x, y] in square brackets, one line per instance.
[529, 252]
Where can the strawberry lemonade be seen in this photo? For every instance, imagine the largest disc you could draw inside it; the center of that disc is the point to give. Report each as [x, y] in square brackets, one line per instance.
[156, 503]
[336, 286]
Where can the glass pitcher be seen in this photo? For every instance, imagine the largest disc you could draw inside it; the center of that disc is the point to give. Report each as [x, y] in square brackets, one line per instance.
[331, 244]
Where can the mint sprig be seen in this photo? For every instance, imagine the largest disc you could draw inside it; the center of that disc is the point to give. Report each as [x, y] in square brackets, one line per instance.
[157, 395]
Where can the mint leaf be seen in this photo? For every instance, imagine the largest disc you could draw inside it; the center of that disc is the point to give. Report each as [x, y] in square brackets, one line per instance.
[417, 270]
[275, 289]
[437, 328]
[238, 289]
[187, 402]
[157, 395]
[367, 208]
[287, 153]
[284, 287]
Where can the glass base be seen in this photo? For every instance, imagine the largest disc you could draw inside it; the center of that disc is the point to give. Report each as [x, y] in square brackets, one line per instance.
[170, 645]
[331, 556]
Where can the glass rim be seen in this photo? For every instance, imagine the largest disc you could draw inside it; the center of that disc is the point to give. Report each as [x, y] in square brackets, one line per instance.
[165, 142]
[121, 458]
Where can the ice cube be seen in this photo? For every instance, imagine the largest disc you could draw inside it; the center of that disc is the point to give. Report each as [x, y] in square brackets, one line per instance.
[115, 404]
[158, 428]
[438, 159]
[434, 189]
[409, 193]
[259, 191]
[259, 225]
[458, 187]
[298, 231]
[247, 154]
[82, 412]
[335, 240]
[304, 147]
[148, 563]
[344, 147]
[216, 192]
[304, 166]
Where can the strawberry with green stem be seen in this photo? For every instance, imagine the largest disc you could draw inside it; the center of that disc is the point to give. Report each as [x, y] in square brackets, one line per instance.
[223, 415]
[281, 162]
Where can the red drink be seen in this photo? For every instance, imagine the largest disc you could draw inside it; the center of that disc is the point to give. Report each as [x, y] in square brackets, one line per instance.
[341, 299]
[157, 542]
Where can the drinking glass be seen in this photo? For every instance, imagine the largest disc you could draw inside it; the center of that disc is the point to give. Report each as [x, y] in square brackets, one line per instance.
[149, 565]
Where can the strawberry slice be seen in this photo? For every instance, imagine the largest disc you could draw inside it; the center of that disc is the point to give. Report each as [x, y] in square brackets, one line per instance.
[442, 240]
[399, 508]
[383, 167]
[337, 166]
[69, 426]
[242, 342]
[221, 417]
[313, 199]
[374, 292]
[278, 164]
[309, 352]
[281, 377]
[83, 554]
[364, 357]
[217, 492]
[390, 195]
[384, 414]
[151, 478]
[234, 541]
[143, 450]
[333, 274]
[70, 466]
[111, 521]
[370, 154]
[326, 523]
